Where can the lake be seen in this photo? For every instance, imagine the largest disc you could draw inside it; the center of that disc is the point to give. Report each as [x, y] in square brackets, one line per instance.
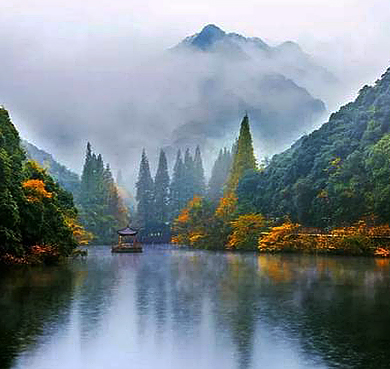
[186, 309]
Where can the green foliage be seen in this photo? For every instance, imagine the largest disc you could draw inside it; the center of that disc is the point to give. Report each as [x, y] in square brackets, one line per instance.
[67, 179]
[199, 180]
[177, 198]
[219, 175]
[335, 175]
[34, 209]
[244, 158]
[101, 209]
[161, 190]
[145, 192]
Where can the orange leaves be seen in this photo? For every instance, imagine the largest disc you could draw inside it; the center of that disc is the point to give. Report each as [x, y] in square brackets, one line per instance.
[245, 231]
[280, 237]
[35, 190]
[382, 252]
[183, 217]
[227, 206]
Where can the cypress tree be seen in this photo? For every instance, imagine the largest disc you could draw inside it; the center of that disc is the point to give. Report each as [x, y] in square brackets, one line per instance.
[219, 174]
[243, 158]
[177, 188]
[199, 181]
[161, 190]
[189, 177]
[145, 191]
[87, 178]
[102, 211]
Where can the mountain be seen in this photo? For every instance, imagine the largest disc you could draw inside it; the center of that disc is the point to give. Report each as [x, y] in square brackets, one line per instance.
[297, 64]
[231, 74]
[337, 174]
[66, 178]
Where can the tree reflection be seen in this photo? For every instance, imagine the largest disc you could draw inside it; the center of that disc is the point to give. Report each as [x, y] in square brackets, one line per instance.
[31, 301]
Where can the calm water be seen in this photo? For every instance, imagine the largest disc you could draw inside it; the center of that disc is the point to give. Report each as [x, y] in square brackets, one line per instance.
[169, 308]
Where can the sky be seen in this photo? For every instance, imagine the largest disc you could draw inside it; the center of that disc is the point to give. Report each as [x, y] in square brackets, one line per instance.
[68, 69]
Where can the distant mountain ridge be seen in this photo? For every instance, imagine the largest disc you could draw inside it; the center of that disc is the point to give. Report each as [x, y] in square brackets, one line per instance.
[234, 74]
[65, 177]
[214, 39]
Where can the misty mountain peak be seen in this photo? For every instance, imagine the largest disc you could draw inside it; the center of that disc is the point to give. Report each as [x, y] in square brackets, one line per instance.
[208, 36]
[290, 46]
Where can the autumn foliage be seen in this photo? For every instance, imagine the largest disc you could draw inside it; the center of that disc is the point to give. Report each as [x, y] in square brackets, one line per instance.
[35, 190]
[246, 231]
[358, 239]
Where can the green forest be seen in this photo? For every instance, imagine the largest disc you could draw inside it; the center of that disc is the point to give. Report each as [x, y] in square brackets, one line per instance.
[38, 218]
[329, 192]
[332, 181]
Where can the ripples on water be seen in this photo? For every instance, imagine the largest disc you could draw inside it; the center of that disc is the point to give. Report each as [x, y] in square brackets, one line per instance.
[170, 308]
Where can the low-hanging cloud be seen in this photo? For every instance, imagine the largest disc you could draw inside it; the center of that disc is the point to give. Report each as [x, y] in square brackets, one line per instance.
[69, 76]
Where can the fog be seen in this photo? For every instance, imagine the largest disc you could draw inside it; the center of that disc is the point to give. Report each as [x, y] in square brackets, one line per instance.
[105, 73]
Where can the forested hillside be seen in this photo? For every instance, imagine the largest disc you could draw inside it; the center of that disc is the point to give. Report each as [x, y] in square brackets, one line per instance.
[335, 175]
[37, 216]
[65, 177]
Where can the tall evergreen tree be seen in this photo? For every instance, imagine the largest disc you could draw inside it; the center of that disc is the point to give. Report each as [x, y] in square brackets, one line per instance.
[161, 190]
[86, 187]
[102, 211]
[199, 180]
[244, 158]
[219, 174]
[189, 176]
[145, 187]
[177, 188]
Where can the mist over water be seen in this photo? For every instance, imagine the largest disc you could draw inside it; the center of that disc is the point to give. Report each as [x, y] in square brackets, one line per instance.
[170, 308]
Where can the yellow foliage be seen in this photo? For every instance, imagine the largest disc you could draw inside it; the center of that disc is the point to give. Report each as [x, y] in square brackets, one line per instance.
[357, 240]
[227, 206]
[35, 190]
[246, 231]
[279, 237]
[196, 237]
[82, 236]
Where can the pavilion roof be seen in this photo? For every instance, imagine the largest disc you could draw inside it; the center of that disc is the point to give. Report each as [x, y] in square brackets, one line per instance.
[127, 231]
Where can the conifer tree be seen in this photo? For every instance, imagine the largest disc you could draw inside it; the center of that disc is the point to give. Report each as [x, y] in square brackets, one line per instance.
[87, 177]
[161, 190]
[244, 158]
[177, 188]
[102, 211]
[219, 174]
[199, 180]
[189, 176]
[145, 187]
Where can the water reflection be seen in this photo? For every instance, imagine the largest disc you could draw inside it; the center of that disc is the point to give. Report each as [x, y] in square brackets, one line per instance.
[171, 308]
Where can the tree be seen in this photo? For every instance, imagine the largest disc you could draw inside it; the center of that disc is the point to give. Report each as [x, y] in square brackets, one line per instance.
[244, 158]
[189, 176]
[101, 207]
[161, 190]
[144, 196]
[11, 164]
[246, 230]
[177, 192]
[219, 174]
[199, 180]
